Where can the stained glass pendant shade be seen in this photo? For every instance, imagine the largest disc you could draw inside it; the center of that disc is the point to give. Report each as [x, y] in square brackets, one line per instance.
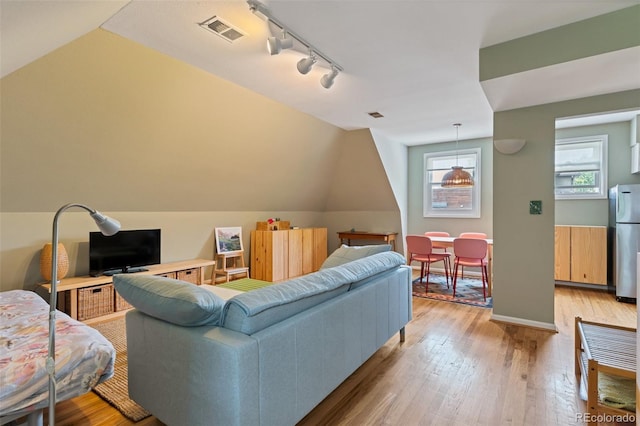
[457, 177]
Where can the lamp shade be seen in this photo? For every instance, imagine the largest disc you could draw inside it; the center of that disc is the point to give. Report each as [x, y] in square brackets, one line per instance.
[46, 256]
[327, 80]
[457, 178]
[305, 64]
[276, 44]
[107, 225]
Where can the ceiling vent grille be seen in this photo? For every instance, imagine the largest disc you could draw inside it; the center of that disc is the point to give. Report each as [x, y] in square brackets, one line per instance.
[222, 29]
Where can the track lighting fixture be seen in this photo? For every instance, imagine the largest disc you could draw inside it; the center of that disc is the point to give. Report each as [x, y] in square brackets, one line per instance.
[305, 64]
[327, 79]
[276, 44]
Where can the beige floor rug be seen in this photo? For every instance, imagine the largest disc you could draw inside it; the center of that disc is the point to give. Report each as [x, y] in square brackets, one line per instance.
[114, 390]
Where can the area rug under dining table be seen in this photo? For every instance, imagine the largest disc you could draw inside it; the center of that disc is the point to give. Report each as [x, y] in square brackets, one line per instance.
[468, 291]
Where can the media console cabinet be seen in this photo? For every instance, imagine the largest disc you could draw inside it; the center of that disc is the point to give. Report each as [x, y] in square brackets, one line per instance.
[93, 298]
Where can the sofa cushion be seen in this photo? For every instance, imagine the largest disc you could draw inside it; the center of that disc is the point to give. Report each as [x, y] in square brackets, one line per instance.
[170, 300]
[345, 254]
[255, 310]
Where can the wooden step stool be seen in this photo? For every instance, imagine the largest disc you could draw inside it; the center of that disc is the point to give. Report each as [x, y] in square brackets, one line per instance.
[229, 266]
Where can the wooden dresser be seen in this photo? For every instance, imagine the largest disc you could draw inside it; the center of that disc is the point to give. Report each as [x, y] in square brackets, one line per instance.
[283, 254]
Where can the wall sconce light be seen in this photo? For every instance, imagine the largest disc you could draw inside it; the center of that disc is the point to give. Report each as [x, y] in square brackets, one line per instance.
[509, 146]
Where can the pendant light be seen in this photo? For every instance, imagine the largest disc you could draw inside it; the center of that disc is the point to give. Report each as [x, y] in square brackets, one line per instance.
[457, 177]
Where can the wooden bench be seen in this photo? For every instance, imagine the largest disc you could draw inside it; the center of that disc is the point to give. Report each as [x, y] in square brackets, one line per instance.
[608, 349]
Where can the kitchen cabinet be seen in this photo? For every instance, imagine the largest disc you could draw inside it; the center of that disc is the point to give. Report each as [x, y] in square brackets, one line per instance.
[581, 254]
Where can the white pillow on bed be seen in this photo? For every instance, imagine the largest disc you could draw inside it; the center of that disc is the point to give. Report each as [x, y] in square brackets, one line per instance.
[170, 300]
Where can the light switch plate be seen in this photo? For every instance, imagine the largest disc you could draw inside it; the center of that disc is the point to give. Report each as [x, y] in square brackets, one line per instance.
[535, 207]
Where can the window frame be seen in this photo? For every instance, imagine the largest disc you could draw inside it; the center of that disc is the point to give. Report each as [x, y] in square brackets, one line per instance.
[603, 167]
[475, 211]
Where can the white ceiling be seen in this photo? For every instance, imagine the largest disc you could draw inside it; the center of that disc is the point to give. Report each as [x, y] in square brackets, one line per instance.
[415, 62]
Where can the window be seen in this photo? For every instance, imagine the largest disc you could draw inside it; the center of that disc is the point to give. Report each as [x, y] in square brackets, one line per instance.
[451, 202]
[581, 168]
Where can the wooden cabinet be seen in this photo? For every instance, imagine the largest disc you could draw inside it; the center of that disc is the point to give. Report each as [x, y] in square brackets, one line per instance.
[562, 251]
[280, 255]
[581, 254]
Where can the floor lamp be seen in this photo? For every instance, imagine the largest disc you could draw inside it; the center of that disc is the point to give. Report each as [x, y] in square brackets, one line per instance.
[108, 227]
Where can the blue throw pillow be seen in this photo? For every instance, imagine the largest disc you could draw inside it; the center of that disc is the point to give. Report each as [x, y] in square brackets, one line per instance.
[346, 254]
[170, 300]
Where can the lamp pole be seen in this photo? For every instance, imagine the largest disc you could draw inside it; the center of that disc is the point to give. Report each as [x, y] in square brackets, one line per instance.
[108, 227]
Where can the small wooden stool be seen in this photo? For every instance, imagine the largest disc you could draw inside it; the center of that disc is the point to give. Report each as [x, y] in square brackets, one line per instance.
[229, 266]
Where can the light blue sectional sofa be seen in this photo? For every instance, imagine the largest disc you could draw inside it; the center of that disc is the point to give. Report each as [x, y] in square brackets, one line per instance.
[264, 357]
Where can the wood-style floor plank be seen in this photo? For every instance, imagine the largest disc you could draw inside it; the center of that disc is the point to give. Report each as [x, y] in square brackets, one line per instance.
[456, 367]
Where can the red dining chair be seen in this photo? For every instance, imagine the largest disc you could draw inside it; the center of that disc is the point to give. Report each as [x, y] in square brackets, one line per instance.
[480, 235]
[471, 252]
[439, 246]
[420, 249]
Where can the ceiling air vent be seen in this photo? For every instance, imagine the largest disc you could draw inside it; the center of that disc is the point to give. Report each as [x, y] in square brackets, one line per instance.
[375, 114]
[222, 28]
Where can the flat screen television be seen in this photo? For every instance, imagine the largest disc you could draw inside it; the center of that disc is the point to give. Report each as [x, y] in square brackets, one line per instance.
[125, 252]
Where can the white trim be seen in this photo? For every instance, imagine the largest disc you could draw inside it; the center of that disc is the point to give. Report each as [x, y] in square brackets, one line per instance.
[604, 172]
[524, 322]
[476, 208]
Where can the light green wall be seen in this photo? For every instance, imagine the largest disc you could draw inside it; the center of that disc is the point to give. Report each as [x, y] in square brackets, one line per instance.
[523, 243]
[596, 212]
[417, 223]
[155, 142]
[601, 34]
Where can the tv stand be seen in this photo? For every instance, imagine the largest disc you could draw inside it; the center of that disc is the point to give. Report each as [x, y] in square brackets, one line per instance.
[98, 291]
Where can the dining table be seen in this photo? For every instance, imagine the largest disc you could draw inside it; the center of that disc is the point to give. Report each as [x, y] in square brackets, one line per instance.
[448, 242]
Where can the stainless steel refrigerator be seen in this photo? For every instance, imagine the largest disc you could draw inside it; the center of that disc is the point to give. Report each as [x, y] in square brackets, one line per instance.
[624, 219]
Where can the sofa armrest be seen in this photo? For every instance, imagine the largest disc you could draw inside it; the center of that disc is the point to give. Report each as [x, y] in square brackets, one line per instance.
[212, 373]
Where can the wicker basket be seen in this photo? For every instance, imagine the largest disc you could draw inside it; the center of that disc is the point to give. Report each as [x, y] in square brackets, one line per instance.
[121, 304]
[95, 301]
[190, 275]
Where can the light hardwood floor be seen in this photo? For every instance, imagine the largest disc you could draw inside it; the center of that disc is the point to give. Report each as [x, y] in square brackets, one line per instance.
[456, 367]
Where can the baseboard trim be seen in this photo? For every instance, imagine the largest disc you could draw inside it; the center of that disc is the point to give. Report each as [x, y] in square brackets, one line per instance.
[525, 322]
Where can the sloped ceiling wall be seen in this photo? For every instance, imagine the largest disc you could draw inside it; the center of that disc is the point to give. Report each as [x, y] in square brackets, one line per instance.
[105, 118]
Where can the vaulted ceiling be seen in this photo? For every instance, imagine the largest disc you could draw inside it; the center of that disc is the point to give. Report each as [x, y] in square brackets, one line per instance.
[414, 62]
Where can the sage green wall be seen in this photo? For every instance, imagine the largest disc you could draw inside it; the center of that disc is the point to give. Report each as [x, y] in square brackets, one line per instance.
[523, 243]
[601, 34]
[155, 142]
[417, 223]
[596, 212]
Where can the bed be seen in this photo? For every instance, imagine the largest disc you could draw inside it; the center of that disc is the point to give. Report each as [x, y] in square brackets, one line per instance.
[84, 357]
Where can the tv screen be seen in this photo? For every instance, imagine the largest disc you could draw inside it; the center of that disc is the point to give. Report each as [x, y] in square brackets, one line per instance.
[126, 251]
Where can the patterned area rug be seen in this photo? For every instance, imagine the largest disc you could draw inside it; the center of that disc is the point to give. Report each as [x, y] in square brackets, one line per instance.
[115, 390]
[468, 291]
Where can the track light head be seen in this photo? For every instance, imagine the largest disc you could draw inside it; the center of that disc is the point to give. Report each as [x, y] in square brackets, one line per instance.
[327, 79]
[305, 65]
[276, 44]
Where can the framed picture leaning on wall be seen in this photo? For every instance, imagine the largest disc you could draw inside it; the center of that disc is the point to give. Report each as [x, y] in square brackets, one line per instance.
[229, 240]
